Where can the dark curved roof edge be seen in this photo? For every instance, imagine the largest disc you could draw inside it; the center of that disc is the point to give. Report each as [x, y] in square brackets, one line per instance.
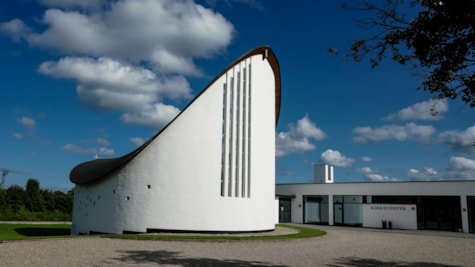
[92, 171]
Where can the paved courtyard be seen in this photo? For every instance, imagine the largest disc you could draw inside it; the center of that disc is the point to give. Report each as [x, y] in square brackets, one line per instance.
[342, 246]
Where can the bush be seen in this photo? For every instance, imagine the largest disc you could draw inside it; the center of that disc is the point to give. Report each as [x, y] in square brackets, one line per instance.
[25, 215]
[35, 204]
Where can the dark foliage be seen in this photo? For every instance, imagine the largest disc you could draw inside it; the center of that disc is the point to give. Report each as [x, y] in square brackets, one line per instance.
[33, 197]
[58, 200]
[435, 37]
[34, 203]
[15, 197]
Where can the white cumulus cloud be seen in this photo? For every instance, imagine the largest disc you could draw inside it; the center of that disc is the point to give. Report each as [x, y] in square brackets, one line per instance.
[410, 131]
[298, 138]
[426, 110]
[424, 174]
[137, 141]
[102, 141]
[131, 29]
[458, 168]
[373, 176]
[14, 28]
[90, 151]
[335, 158]
[29, 126]
[366, 159]
[461, 168]
[459, 141]
[28, 122]
[129, 56]
[155, 115]
[17, 135]
[107, 84]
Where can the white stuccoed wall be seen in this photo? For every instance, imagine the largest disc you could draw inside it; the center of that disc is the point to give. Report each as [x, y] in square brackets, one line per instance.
[175, 182]
[401, 216]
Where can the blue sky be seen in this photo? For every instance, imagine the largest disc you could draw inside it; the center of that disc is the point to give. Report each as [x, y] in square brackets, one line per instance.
[93, 78]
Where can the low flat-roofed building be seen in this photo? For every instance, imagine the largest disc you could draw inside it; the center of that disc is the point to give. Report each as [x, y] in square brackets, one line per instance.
[433, 205]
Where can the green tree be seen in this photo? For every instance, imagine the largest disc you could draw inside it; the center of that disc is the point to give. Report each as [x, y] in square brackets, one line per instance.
[3, 199]
[64, 202]
[58, 200]
[15, 197]
[48, 197]
[436, 37]
[33, 197]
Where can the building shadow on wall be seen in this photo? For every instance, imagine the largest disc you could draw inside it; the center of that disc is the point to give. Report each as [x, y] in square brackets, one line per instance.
[174, 258]
[360, 262]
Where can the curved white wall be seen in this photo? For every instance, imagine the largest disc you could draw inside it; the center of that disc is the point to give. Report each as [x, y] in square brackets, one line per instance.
[175, 182]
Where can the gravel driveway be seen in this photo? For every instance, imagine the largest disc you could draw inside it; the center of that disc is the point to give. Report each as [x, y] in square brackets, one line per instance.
[342, 246]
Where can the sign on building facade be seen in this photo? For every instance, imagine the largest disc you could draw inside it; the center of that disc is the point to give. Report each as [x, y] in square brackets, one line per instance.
[398, 216]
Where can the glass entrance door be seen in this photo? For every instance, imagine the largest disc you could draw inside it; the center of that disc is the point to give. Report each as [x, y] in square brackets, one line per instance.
[338, 213]
[285, 210]
[315, 209]
[471, 213]
[439, 213]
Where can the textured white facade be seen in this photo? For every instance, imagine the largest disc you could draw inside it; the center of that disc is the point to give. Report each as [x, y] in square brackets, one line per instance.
[211, 169]
[401, 216]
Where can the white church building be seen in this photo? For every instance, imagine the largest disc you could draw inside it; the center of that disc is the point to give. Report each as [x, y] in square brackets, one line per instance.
[212, 168]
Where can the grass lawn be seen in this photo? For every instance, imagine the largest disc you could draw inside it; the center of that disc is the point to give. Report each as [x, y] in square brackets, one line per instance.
[33, 231]
[40, 231]
[302, 232]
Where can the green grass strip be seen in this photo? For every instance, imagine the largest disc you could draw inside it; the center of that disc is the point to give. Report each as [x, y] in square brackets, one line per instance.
[44, 231]
[302, 232]
[33, 231]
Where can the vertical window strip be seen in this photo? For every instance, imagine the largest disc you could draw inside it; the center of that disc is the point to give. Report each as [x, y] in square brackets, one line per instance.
[238, 133]
[244, 136]
[224, 139]
[231, 134]
[249, 112]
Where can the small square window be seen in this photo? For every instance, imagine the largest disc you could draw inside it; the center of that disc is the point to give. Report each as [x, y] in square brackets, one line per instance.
[149, 186]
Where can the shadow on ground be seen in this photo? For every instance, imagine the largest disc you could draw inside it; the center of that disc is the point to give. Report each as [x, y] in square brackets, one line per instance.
[40, 231]
[347, 262]
[174, 258]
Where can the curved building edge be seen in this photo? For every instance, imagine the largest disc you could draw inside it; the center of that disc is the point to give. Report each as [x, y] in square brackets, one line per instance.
[211, 169]
[93, 170]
